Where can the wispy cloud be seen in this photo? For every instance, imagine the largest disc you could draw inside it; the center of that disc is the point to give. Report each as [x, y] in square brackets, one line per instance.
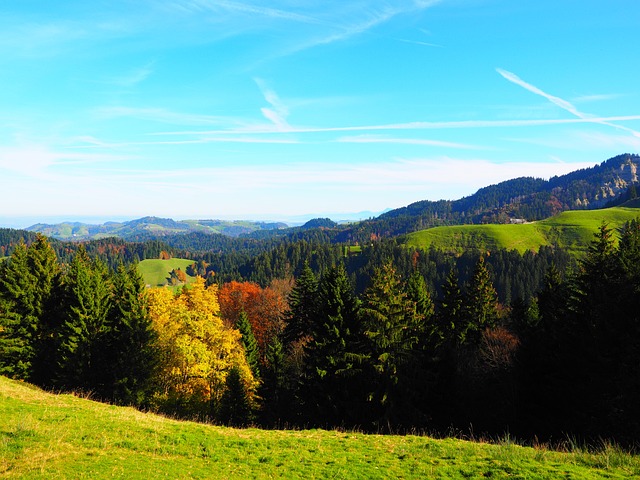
[412, 126]
[563, 104]
[278, 112]
[135, 76]
[407, 141]
[163, 115]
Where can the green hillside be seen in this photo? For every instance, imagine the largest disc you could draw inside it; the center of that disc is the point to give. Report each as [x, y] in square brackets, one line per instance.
[155, 271]
[43, 435]
[572, 230]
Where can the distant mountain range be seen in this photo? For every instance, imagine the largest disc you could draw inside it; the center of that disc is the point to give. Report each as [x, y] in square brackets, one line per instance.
[610, 183]
[150, 227]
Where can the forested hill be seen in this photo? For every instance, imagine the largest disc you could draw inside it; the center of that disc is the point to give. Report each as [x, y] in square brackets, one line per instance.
[607, 184]
[521, 198]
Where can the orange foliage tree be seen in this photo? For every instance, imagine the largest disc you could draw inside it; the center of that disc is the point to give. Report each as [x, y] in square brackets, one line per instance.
[264, 307]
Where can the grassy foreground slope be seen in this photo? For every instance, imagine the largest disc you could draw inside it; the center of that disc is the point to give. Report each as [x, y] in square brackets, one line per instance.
[61, 436]
[155, 271]
[571, 230]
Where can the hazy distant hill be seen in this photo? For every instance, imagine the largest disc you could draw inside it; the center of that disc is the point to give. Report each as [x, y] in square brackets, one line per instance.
[150, 227]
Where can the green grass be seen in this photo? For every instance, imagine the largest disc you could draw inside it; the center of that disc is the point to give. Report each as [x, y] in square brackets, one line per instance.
[155, 271]
[571, 230]
[62, 436]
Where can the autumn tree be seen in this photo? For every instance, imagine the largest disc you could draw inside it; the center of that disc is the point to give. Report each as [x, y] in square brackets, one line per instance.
[197, 350]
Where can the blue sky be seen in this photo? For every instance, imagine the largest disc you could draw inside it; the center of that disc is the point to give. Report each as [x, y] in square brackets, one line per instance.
[247, 109]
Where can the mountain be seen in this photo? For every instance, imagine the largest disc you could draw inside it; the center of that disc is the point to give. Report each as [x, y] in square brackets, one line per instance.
[150, 227]
[524, 198]
[610, 183]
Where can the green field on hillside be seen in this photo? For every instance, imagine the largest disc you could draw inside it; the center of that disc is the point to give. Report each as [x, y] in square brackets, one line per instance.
[572, 230]
[155, 271]
[46, 436]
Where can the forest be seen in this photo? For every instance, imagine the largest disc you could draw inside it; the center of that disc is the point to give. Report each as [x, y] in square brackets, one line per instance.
[303, 332]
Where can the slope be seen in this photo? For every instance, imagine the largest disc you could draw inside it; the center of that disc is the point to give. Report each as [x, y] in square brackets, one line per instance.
[571, 230]
[62, 436]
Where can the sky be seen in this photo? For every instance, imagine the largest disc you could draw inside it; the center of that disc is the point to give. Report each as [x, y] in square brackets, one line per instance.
[278, 109]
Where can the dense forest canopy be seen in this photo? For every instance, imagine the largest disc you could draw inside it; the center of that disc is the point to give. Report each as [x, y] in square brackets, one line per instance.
[308, 327]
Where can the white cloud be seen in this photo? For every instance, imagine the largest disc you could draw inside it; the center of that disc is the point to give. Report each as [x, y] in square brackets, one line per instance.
[564, 104]
[407, 141]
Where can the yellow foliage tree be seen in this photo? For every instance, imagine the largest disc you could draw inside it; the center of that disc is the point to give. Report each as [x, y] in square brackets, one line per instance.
[197, 350]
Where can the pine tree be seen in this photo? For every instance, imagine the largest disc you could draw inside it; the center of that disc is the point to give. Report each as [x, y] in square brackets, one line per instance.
[333, 353]
[84, 325]
[27, 282]
[450, 318]
[130, 340]
[481, 305]
[235, 407]
[250, 343]
[302, 307]
[392, 327]
[275, 392]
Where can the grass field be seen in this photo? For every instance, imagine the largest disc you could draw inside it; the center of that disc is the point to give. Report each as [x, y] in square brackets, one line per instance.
[62, 436]
[155, 271]
[571, 230]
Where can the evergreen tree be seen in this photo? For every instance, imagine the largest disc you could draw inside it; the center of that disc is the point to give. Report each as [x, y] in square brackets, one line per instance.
[451, 313]
[393, 329]
[19, 323]
[16, 351]
[130, 349]
[235, 406]
[332, 355]
[302, 307]
[81, 349]
[275, 392]
[27, 282]
[481, 305]
[250, 343]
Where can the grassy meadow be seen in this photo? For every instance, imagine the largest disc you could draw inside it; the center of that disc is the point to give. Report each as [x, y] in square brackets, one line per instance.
[155, 272]
[571, 230]
[47, 436]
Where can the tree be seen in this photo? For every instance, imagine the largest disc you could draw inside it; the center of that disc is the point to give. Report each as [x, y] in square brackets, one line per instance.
[131, 341]
[82, 336]
[197, 350]
[250, 344]
[303, 307]
[235, 405]
[481, 305]
[27, 283]
[450, 318]
[393, 329]
[333, 360]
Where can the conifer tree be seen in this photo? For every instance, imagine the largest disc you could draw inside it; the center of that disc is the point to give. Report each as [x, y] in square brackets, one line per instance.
[392, 327]
[27, 282]
[250, 343]
[87, 301]
[481, 305]
[276, 394]
[235, 406]
[130, 342]
[333, 353]
[302, 307]
[451, 314]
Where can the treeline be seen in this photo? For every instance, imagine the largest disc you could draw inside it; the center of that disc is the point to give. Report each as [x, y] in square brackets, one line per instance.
[398, 355]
